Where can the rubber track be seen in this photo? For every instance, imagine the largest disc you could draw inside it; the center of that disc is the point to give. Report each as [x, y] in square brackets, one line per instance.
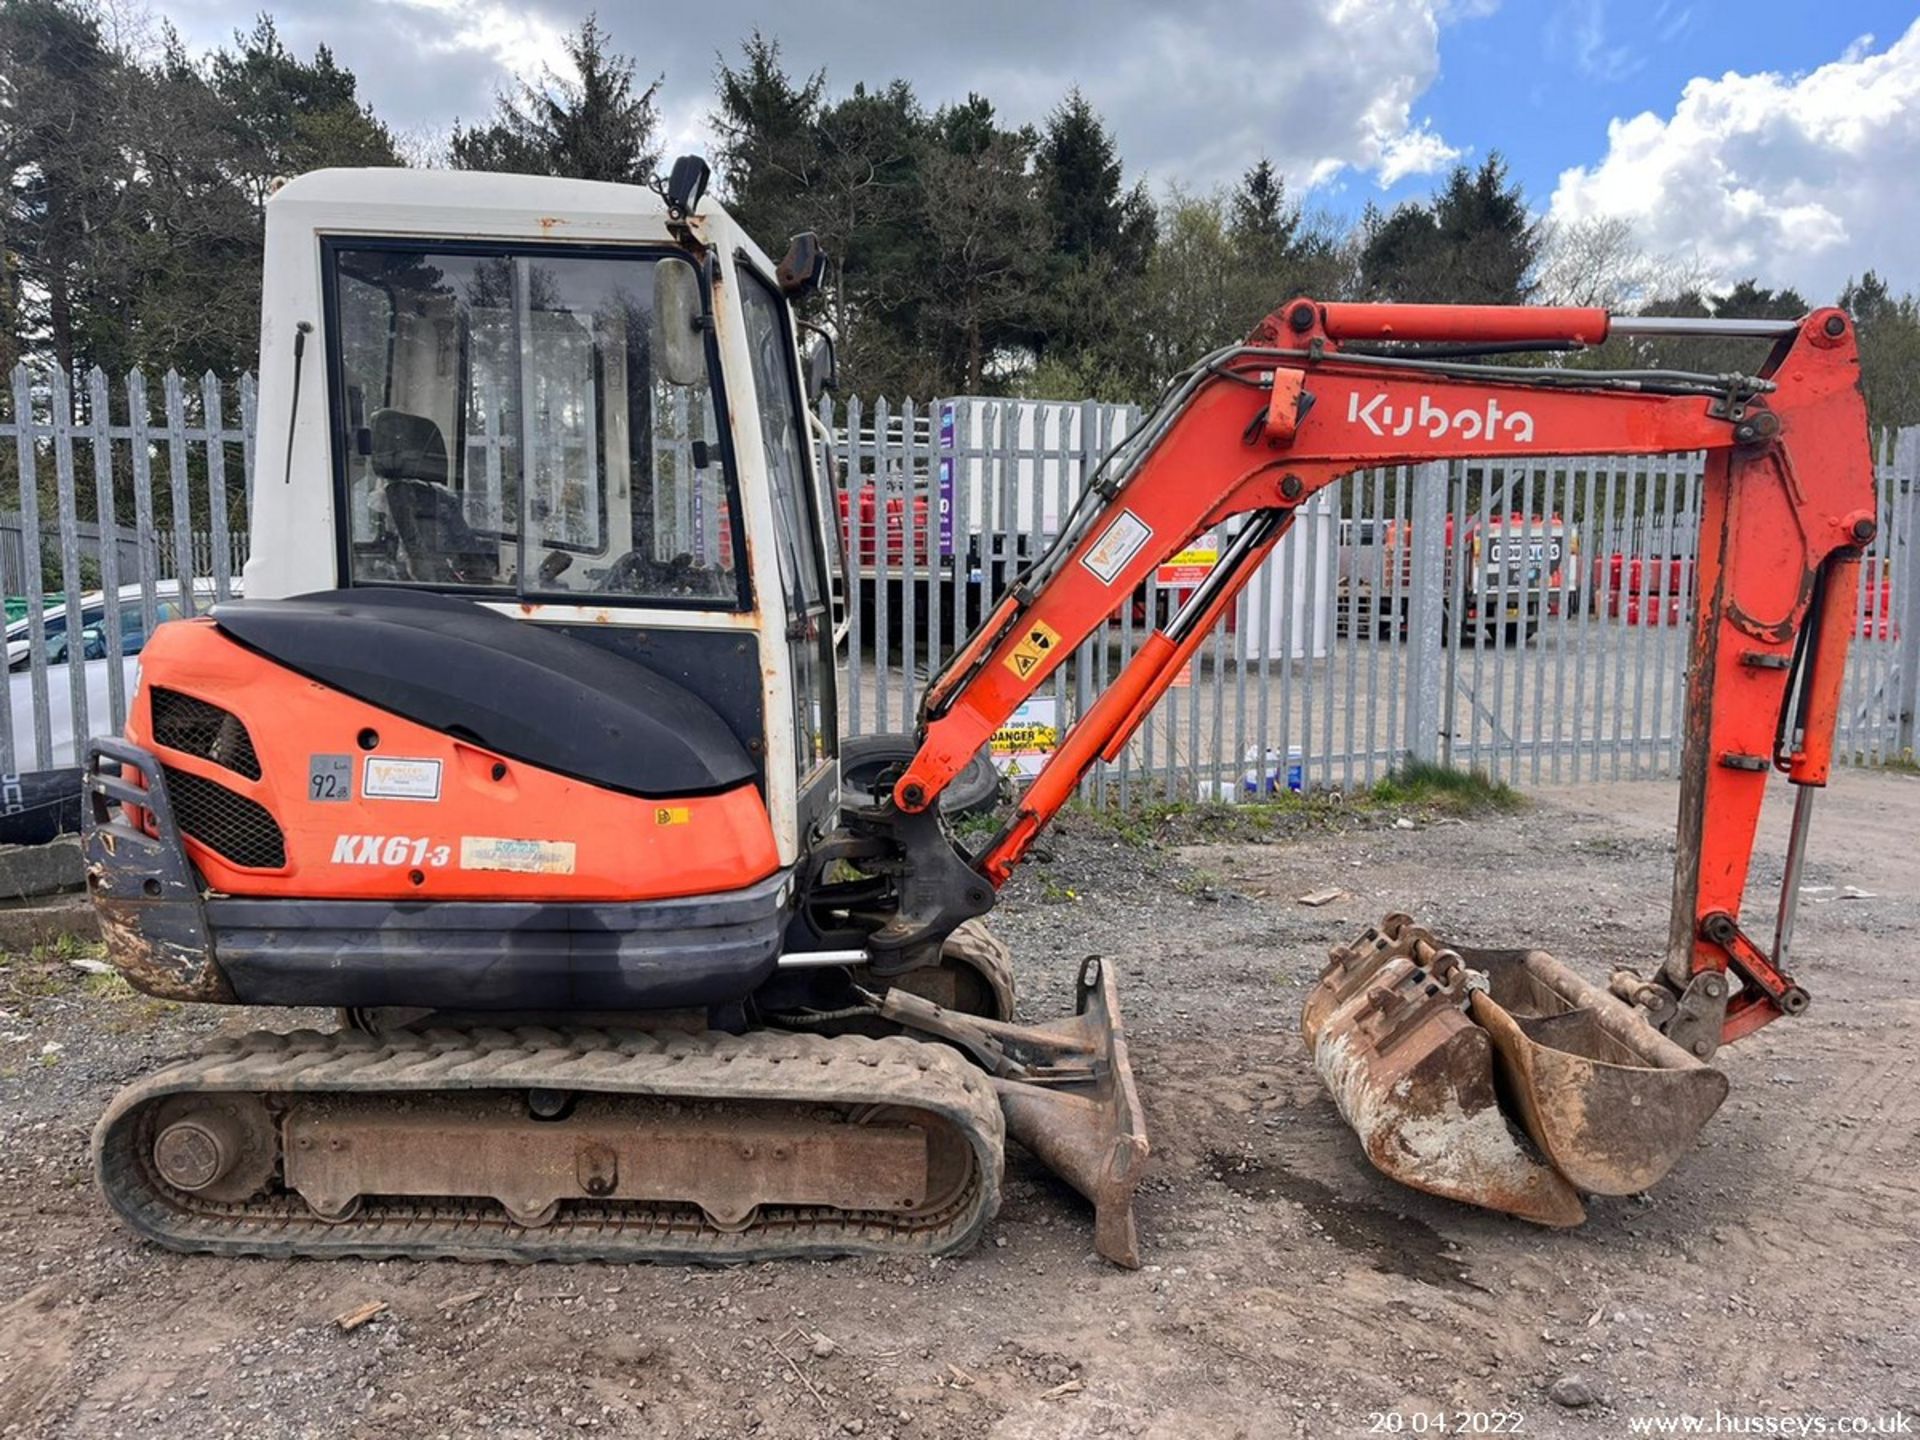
[763, 1065]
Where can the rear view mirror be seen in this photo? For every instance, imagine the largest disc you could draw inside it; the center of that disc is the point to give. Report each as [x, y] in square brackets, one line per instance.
[803, 269]
[679, 343]
[823, 369]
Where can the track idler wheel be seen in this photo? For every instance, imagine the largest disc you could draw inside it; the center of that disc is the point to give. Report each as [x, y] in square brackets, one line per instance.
[1440, 1057]
[219, 1147]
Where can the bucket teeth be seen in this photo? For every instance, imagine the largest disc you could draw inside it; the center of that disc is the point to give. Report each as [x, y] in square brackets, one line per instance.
[1435, 1055]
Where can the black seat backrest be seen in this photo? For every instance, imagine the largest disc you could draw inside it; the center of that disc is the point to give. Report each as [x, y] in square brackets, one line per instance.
[407, 447]
[410, 455]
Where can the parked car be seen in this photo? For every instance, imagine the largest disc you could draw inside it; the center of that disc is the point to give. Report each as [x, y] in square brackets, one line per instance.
[37, 803]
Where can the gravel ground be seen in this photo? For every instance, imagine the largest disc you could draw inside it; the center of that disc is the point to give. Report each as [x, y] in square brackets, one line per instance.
[1288, 1289]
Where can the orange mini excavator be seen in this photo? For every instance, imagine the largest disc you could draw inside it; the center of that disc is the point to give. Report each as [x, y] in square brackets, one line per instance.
[521, 753]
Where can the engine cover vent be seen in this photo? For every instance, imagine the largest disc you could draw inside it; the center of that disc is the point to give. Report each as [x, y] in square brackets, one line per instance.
[182, 722]
[226, 822]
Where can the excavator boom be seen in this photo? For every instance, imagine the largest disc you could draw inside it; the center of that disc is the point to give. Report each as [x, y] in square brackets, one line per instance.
[1406, 1030]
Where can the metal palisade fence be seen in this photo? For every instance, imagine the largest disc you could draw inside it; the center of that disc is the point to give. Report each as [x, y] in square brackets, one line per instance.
[109, 525]
[1528, 620]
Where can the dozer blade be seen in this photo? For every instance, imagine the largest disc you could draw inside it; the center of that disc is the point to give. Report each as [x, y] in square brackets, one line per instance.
[1429, 1051]
[1089, 1131]
[1066, 1089]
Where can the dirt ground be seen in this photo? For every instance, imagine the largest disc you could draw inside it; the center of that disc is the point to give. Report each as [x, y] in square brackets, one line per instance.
[1288, 1289]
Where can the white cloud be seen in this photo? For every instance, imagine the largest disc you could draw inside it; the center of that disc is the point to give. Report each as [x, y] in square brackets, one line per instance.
[1414, 152]
[517, 39]
[1195, 97]
[1801, 180]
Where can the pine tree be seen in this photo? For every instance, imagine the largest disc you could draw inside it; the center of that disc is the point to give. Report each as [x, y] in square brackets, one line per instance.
[590, 125]
[1260, 222]
[769, 155]
[986, 240]
[286, 115]
[63, 118]
[1080, 182]
[1472, 244]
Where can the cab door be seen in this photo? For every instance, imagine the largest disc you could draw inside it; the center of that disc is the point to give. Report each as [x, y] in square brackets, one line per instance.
[798, 544]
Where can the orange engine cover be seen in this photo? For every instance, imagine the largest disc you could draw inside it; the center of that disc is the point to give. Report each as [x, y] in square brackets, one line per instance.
[300, 790]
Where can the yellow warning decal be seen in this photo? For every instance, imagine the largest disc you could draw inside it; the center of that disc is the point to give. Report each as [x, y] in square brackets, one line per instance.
[1038, 643]
[672, 815]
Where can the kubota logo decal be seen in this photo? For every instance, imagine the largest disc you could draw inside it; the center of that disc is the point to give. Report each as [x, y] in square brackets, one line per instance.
[1470, 422]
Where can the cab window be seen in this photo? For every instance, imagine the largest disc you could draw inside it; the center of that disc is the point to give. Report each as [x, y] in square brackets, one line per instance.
[501, 426]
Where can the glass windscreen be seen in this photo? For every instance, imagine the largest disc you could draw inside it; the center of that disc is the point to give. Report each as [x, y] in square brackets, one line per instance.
[505, 426]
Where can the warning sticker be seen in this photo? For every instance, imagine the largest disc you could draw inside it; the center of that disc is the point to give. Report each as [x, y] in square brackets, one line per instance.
[387, 777]
[1027, 741]
[672, 815]
[1188, 568]
[523, 857]
[1034, 647]
[1121, 542]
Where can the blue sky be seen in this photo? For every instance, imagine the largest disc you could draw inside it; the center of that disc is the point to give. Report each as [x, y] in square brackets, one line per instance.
[1539, 81]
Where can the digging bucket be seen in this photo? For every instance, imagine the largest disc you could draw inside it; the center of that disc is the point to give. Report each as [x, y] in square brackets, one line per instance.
[1440, 1057]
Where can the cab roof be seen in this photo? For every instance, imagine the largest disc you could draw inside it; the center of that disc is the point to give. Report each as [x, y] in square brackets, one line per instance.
[478, 205]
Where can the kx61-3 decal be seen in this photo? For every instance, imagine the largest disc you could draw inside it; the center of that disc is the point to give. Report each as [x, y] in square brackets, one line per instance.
[389, 850]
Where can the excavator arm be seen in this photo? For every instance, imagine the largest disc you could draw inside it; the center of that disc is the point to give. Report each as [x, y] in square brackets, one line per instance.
[1254, 431]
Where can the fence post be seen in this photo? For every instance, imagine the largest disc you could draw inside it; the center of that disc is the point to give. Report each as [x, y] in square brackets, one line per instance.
[1904, 513]
[1426, 657]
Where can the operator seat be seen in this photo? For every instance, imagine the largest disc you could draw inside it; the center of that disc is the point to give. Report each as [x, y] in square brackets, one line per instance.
[410, 456]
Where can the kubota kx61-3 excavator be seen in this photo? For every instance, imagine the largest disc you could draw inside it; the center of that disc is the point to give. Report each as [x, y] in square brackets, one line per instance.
[521, 753]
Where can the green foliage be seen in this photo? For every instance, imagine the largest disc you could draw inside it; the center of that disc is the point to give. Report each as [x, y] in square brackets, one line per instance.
[1222, 263]
[283, 115]
[47, 970]
[768, 151]
[590, 125]
[1092, 216]
[984, 239]
[67, 122]
[1261, 221]
[134, 185]
[850, 171]
[965, 255]
[1889, 349]
[1423, 789]
[1473, 243]
[1449, 791]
